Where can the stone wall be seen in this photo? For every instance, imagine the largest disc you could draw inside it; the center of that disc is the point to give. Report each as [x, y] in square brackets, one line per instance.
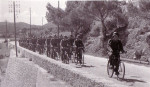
[24, 73]
[20, 73]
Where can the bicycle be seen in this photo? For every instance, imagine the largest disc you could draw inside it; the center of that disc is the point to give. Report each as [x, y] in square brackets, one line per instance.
[65, 55]
[79, 57]
[111, 68]
[73, 53]
[55, 54]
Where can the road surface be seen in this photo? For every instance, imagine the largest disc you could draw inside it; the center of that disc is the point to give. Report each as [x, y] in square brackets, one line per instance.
[136, 75]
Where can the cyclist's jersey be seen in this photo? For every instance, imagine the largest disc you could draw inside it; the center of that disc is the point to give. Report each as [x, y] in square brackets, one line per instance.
[39, 41]
[31, 40]
[28, 41]
[43, 41]
[48, 41]
[79, 43]
[71, 41]
[54, 42]
[35, 40]
[115, 45]
[64, 43]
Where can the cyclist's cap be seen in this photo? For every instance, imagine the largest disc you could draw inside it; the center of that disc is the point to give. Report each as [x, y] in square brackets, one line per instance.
[65, 36]
[71, 35]
[78, 36]
[115, 33]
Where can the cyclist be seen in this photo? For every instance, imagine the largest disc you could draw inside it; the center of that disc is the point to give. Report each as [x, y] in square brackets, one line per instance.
[54, 46]
[116, 47]
[40, 45]
[64, 45]
[43, 44]
[48, 40]
[71, 41]
[33, 43]
[58, 43]
[28, 43]
[79, 46]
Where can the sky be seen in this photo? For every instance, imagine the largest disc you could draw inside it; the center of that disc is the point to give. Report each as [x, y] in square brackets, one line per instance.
[38, 10]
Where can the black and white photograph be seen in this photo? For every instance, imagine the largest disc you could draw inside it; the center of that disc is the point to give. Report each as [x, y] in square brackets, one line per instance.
[74, 43]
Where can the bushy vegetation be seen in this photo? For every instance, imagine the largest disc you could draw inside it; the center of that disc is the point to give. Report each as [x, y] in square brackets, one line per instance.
[97, 20]
[79, 17]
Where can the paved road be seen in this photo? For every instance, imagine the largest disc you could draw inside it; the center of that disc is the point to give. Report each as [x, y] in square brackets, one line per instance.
[136, 75]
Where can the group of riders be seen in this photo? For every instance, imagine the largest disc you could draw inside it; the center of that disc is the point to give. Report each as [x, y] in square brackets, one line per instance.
[55, 47]
[67, 45]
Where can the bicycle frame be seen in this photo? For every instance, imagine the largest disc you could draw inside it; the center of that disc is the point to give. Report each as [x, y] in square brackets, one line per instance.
[55, 52]
[65, 55]
[79, 54]
[120, 68]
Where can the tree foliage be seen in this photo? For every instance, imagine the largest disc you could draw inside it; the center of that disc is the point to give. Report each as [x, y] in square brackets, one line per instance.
[144, 5]
[79, 16]
[53, 14]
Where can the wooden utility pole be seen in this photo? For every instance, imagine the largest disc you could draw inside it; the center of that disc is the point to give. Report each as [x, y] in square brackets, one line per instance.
[42, 23]
[6, 31]
[15, 27]
[30, 21]
[58, 19]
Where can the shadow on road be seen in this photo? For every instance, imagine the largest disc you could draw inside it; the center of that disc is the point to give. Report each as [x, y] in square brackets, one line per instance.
[133, 80]
[88, 66]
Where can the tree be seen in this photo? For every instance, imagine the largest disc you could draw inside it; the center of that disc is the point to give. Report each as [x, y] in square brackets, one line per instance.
[144, 5]
[75, 18]
[53, 14]
[100, 10]
[132, 10]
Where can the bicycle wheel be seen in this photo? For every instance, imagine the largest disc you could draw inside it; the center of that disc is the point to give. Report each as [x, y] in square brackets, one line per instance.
[110, 71]
[82, 58]
[73, 58]
[57, 56]
[67, 58]
[77, 59]
[121, 70]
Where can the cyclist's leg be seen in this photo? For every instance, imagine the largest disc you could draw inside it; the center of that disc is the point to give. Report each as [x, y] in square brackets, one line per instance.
[39, 49]
[63, 54]
[117, 64]
[47, 51]
[80, 56]
[68, 52]
[110, 60]
[55, 54]
[52, 52]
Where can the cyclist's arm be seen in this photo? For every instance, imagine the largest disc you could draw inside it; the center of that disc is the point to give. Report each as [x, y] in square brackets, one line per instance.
[109, 45]
[82, 45]
[121, 47]
[61, 43]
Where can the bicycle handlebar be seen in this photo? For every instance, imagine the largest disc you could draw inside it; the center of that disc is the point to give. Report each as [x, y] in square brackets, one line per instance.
[118, 52]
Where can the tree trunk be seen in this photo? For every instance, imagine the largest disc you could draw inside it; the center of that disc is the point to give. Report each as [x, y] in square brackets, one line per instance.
[104, 38]
[103, 31]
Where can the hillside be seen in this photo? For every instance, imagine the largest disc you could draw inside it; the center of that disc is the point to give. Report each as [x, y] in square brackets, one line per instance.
[137, 37]
[22, 25]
